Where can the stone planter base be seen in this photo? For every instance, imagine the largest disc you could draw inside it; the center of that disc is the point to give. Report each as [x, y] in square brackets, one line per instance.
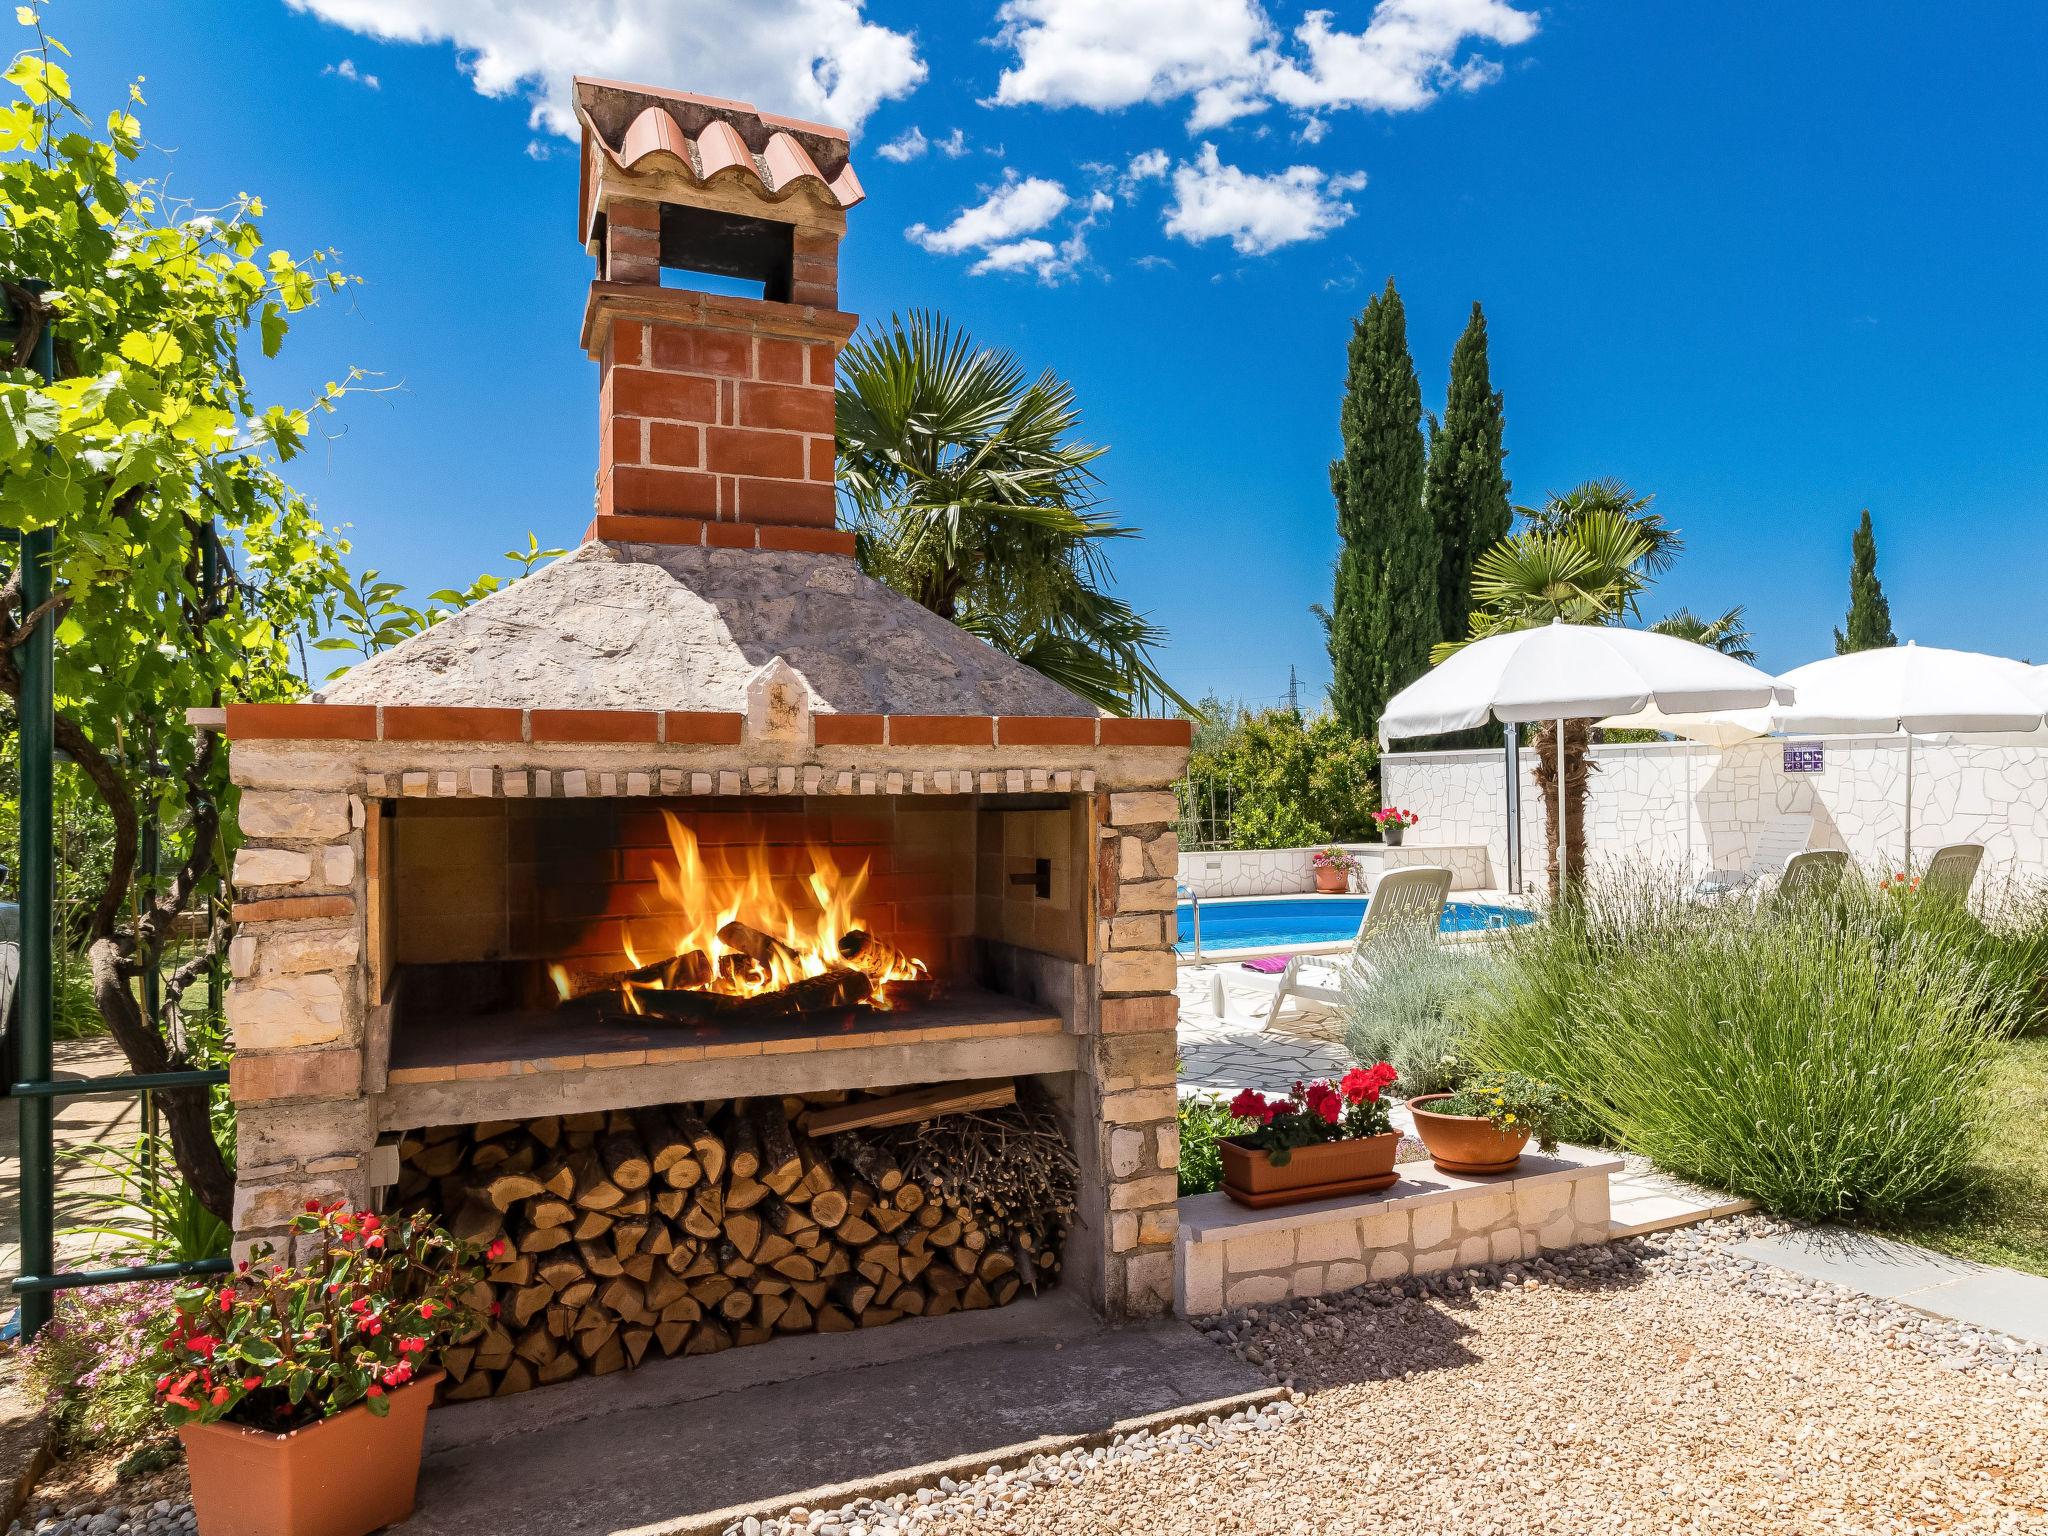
[1231, 1256]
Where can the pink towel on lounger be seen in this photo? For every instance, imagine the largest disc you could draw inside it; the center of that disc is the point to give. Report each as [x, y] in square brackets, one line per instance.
[1268, 965]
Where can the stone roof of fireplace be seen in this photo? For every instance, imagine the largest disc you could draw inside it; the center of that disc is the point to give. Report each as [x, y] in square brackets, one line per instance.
[619, 625]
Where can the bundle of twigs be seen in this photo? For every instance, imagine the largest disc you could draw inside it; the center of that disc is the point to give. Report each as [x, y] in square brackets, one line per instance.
[1011, 1166]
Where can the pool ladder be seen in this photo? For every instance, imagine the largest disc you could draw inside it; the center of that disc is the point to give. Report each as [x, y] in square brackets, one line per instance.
[1195, 916]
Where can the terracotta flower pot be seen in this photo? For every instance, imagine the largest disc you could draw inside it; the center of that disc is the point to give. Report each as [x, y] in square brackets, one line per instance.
[1348, 1167]
[344, 1476]
[1465, 1143]
[1331, 881]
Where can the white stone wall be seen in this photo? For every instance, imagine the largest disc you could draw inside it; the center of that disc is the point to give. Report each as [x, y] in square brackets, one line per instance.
[1962, 793]
[1265, 871]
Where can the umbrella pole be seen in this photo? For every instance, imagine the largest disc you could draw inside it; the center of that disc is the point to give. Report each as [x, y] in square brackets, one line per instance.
[1690, 747]
[1563, 825]
[1909, 804]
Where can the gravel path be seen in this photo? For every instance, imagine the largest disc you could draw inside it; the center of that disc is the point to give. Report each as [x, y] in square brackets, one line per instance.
[1659, 1385]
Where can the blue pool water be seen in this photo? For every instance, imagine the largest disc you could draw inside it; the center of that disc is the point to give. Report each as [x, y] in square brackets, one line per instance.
[1277, 922]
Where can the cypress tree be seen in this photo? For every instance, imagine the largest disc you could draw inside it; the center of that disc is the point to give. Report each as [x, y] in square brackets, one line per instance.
[1383, 613]
[1870, 616]
[1467, 491]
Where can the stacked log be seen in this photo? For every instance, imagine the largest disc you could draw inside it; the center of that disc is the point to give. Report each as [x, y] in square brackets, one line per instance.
[690, 1228]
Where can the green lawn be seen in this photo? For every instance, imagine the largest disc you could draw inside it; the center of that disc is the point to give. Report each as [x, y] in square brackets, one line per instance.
[2005, 1219]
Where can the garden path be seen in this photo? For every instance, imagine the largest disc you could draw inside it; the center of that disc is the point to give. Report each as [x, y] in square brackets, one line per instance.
[1222, 1055]
[1980, 1294]
[81, 1123]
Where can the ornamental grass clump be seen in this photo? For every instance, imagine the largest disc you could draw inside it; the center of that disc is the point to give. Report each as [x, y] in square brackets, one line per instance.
[1825, 1056]
[279, 1347]
[1314, 1113]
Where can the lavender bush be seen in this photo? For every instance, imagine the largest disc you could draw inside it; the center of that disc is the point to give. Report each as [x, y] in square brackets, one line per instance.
[94, 1363]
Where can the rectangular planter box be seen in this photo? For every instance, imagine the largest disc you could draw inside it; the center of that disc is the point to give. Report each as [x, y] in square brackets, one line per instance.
[1311, 1173]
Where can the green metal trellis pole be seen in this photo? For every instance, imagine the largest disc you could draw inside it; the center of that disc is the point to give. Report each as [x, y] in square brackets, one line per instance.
[36, 711]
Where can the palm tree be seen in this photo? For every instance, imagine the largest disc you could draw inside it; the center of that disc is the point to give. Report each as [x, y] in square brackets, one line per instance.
[967, 495]
[1560, 512]
[1729, 634]
[1588, 568]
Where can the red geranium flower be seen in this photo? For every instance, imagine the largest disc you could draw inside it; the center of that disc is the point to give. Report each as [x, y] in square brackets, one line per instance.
[1250, 1105]
[1324, 1103]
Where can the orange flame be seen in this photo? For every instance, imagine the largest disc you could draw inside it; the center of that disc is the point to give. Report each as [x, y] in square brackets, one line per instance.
[704, 894]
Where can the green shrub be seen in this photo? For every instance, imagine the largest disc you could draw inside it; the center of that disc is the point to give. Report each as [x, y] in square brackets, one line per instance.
[1824, 1057]
[1407, 1010]
[1203, 1122]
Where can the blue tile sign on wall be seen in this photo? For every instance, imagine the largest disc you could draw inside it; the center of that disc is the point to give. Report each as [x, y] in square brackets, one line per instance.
[1805, 757]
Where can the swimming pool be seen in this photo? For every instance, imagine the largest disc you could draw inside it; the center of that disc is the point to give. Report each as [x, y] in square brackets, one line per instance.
[1280, 922]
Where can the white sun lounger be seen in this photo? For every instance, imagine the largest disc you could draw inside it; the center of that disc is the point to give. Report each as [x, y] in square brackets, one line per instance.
[1408, 903]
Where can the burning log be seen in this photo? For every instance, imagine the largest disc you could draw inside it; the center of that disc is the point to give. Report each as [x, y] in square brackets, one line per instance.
[764, 949]
[877, 957]
[775, 1233]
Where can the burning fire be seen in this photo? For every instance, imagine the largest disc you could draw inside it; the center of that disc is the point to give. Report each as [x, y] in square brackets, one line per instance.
[741, 936]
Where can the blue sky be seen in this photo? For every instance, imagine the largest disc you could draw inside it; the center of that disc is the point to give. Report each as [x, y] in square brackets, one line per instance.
[1774, 267]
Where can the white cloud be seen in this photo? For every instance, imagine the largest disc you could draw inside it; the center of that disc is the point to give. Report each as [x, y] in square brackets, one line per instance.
[1230, 61]
[1008, 230]
[906, 146]
[953, 145]
[1019, 206]
[1015, 256]
[1407, 53]
[1255, 213]
[346, 70]
[808, 58]
[1085, 53]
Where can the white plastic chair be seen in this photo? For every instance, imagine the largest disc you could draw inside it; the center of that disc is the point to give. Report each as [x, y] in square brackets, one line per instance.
[1407, 903]
[1952, 871]
[1782, 838]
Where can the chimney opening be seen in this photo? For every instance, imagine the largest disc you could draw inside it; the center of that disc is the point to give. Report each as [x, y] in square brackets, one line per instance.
[731, 252]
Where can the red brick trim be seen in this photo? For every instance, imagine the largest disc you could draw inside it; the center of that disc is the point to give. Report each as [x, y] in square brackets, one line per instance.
[702, 728]
[942, 731]
[422, 722]
[816, 541]
[1147, 733]
[295, 1075]
[637, 528]
[595, 725]
[610, 302]
[833, 730]
[302, 722]
[1154, 1012]
[1046, 730]
[285, 909]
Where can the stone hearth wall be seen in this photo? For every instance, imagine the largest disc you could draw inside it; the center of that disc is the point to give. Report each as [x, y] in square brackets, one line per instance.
[1131, 1056]
[295, 1007]
[299, 1009]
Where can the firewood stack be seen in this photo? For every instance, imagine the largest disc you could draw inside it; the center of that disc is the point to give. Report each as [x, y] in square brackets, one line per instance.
[691, 1228]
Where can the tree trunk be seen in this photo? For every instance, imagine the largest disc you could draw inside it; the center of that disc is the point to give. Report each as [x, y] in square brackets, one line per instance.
[185, 1110]
[1578, 765]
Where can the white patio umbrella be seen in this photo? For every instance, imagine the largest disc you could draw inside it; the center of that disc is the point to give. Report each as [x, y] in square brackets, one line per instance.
[1693, 728]
[1563, 672]
[1914, 690]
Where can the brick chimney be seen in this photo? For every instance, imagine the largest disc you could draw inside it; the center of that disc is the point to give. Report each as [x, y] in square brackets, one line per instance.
[712, 407]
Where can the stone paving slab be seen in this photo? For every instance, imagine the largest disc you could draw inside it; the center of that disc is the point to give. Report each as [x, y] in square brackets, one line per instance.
[660, 1448]
[1646, 1199]
[1984, 1295]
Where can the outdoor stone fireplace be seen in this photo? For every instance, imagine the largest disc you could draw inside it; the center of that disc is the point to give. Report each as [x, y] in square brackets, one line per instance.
[482, 871]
